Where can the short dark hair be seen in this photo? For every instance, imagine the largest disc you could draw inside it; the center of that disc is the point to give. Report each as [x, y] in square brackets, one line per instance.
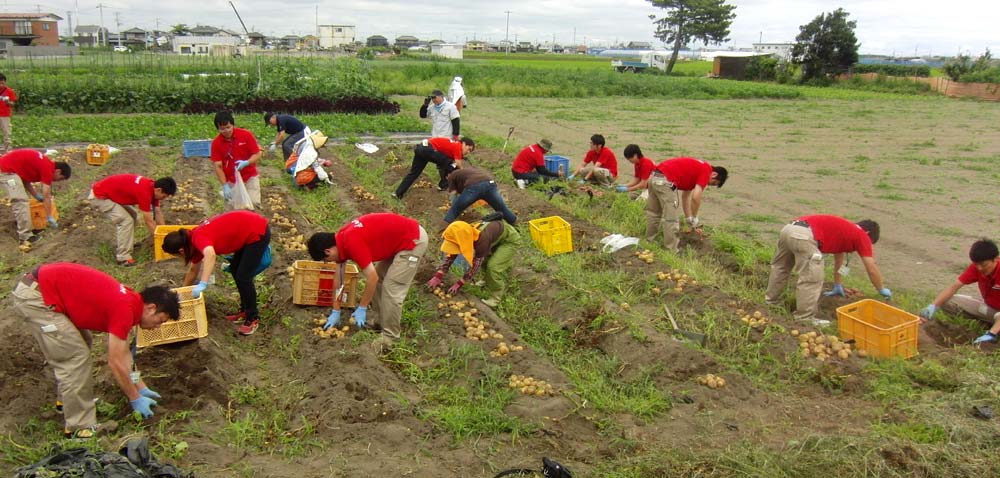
[178, 242]
[267, 117]
[871, 227]
[164, 299]
[318, 244]
[632, 150]
[470, 142]
[167, 185]
[983, 250]
[224, 117]
[721, 174]
[597, 139]
[64, 168]
[3, 77]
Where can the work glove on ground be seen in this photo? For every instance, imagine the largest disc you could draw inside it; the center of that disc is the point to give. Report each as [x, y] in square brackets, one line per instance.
[198, 289]
[987, 337]
[242, 164]
[435, 281]
[272, 148]
[143, 406]
[838, 291]
[360, 316]
[149, 393]
[227, 192]
[885, 292]
[621, 188]
[53, 222]
[332, 320]
[928, 312]
[39, 197]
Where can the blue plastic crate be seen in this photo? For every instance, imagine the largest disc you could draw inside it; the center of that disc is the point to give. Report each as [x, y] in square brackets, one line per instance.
[197, 148]
[554, 161]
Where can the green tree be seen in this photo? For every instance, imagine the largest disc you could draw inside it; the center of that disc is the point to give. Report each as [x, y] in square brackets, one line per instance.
[179, 29]
[686, 20]
[826, 46]
[963, 65]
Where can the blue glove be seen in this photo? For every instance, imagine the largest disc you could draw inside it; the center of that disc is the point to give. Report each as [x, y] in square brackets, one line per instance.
[142, 405]
[332, 320]
[39, 197]
[227, 192]
[149, 393]
[838, 290]
[198, 289]
[242, 164]
[987, 337]
[360, 315]
[621, 188]
[885, 292]
[928, 312]
[53, 222]
[570, 177]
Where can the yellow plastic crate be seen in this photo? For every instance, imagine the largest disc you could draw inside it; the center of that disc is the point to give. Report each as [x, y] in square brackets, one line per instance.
[192, 323]
[313, 282]
[97, 154]
[158, 236]
[553, 235]
[879, 328]
[38, 218]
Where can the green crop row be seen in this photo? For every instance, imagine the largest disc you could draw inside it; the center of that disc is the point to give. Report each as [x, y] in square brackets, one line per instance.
[894, 70]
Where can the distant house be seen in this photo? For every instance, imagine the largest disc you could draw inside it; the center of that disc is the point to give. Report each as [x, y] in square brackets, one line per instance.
[475, 45]
[333, 36]
[310, 42]
[90, 35]
[291, 41]
[525, 47]
[781, 51]
[204, 31]
[377, 41]
[256, 39]
[406, 41]
[639, 45]
[205, 45]
[447, 50]
[26, 29]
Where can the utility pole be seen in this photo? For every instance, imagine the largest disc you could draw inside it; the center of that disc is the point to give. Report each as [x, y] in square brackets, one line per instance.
[102, 36]
[69, 21]
[118, 26]
[506, 32]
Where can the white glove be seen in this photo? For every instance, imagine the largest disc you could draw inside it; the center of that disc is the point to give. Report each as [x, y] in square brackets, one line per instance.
[693, 221]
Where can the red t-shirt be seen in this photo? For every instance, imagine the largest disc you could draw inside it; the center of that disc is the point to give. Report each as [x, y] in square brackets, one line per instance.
[607, 159]
[643, 168]
[686, 173]
[30, 165]
[989, 286]
[528, 159]
[242, 145]
[227, 233]
[451, 149]
[376, 237]
[4, 107]
[127, 190]
[836, 234]
[90, 298]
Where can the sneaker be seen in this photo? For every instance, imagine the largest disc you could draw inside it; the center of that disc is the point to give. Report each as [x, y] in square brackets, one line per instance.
[817, 322]
[394, 196]
[492, 301]
[127, 263]
[241, 315]
[248, 327]
[33, 239]
[91, 432]
[59, 406]
[521, 184]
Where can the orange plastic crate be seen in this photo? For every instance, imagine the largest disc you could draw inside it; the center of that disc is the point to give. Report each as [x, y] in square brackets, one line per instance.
[97, 154]
[879, 328]
[38, 218]
[161, 233]
[192, 323]
[313, 282]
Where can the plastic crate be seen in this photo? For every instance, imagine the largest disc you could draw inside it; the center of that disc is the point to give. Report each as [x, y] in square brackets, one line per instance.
[197, 148]
[553, 235]
[192, 323]
[313, 283]
[158, 236]
[39, 220]
[879, 328]
[97, 154]
[553, 162]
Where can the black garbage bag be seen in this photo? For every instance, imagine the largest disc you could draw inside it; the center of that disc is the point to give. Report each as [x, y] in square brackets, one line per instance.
[133, 461]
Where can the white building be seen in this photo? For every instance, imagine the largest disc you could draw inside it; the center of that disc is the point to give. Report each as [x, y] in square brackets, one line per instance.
[781, 51]
[213, 45]
[332, 36]
[447, 50]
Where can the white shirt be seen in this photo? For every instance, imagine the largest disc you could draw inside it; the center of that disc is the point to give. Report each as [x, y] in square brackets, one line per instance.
[441, 116]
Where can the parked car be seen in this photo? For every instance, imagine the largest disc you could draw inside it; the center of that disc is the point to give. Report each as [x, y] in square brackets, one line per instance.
[121, 48]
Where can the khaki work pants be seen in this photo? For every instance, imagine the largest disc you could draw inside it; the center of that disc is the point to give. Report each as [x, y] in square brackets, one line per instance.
[124, 218]
[395, 277]
[601, 176]
[798, 252]
[253, 188]
[12, 184]
[5, 126]
[976, 307]
[66, 352]
[661, 212]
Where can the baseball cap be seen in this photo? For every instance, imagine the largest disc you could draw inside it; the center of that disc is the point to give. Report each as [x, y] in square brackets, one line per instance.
[437, 93]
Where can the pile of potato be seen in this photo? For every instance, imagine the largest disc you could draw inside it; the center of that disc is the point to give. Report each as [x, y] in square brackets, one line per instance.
[441, 294]
[824, 347]
[531, 386]
[183, 200]
[276, 203]
[756, 320]
[645, 255]
[712, 381]
[331, 333]
[359, 193]
[503, 349]
[289, 238]
[423, 183]
[680, 280]
[279, 220]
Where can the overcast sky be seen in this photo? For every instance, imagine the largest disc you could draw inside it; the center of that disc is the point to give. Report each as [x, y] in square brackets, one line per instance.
[884, 26]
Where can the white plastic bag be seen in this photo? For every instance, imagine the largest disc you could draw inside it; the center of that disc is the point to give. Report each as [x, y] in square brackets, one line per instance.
[615, 242]
[241, 198]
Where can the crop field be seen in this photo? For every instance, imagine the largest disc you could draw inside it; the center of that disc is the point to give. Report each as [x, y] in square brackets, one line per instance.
[614, 392]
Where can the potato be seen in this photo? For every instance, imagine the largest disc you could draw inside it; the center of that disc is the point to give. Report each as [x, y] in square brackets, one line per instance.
[844, 354]
[862, 353]
[795, 332]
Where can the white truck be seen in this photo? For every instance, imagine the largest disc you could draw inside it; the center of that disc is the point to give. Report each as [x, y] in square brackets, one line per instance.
[649, 59]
